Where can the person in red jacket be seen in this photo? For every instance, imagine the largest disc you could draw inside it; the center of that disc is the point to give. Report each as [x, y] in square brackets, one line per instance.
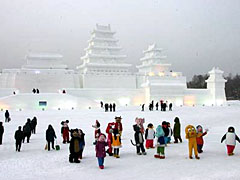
[65, 131]
[200, 135]
[109, 132]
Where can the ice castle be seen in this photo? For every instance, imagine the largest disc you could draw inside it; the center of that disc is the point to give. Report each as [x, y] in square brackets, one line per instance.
[104, 75]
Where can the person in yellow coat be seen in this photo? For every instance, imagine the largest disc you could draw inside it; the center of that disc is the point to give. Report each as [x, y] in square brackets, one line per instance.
[191, 135]
[116, 143]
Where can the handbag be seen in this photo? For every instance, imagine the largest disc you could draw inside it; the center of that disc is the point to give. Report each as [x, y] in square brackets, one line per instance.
[57, 147]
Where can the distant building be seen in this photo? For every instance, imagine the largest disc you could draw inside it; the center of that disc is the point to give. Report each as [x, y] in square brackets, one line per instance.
[105, 76]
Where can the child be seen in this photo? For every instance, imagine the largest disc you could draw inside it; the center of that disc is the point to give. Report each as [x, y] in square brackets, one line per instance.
[139, 137]
[160, 143]
[177, 130]
[166, 131]
[149, 136]
[100, 150]
[200, 135]
[81, 142]
[97, 131]
[116, 143]
[170, 133]
[230, 138]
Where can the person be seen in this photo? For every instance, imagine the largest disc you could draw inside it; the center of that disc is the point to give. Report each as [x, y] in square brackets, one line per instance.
[170, 106]
[118, 124]
[50, 136]
[19, 135]
[191, 135]
[161, 104]
[100, 150]
[7, 116]
[1, 132]
[149, 136]
[138, 135]
[106, 107]
[143, 107]
[157, 106]
[65, 131]
[177, 130]
[200, 135]
[170, 132]
[109, 131]
[34, 90]
[110, 107]
[114, 107]
[37, 91]
[166, 131]
[116, 142]
[74, 146]
[160, 143]
[33, 125]
[27, 130]
[97, 131]
[81, 142]
[101, 103]
[230, 139]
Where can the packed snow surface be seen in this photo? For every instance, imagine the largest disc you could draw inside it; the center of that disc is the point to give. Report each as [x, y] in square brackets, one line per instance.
[33, 162]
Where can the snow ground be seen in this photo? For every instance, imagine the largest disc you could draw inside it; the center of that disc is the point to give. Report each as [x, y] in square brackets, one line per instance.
[33, 162]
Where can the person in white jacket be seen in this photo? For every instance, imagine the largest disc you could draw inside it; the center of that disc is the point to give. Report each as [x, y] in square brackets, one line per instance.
[230, 139]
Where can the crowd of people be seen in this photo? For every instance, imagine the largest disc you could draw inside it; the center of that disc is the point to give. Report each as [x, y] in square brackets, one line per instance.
[161, 104]
[150, 137]
[108, 107]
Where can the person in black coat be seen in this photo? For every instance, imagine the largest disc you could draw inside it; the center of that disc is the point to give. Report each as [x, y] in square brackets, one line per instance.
[157, 105]
[50, 136]
[110, 107]
[106, 107]
[114, 107]
[19, 135]
[170, 106]
[139, 139]
[33, 125]
[7, 116]
[27, 128]
[1, 132]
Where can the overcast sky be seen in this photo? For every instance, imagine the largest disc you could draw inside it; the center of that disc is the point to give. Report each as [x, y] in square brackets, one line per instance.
[195, 34]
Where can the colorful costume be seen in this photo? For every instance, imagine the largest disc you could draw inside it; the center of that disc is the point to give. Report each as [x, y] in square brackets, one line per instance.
[74, 147]
[149, 136]
[230, 139]
[116, 143]
[160, 143]
[65, 131]
[118, 124]
[200, 135]
[139, 137]
[191, 135]
[97, 131]
[109, 132]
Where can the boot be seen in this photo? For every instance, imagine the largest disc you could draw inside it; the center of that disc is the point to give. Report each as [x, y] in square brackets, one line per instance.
[197, 157]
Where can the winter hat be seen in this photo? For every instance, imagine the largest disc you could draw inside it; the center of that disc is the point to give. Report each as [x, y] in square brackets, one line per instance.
[199, 128]
[231, 129]
[150, 125]
[176, 120]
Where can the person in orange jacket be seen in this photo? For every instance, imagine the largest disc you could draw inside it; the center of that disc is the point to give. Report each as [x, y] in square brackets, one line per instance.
[200, 135]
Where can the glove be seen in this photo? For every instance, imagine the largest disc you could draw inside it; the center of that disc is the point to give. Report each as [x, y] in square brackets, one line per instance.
[207, 130]
[138, 144]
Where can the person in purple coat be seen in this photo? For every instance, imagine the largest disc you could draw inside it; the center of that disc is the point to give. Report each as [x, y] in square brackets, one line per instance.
[100, 150]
